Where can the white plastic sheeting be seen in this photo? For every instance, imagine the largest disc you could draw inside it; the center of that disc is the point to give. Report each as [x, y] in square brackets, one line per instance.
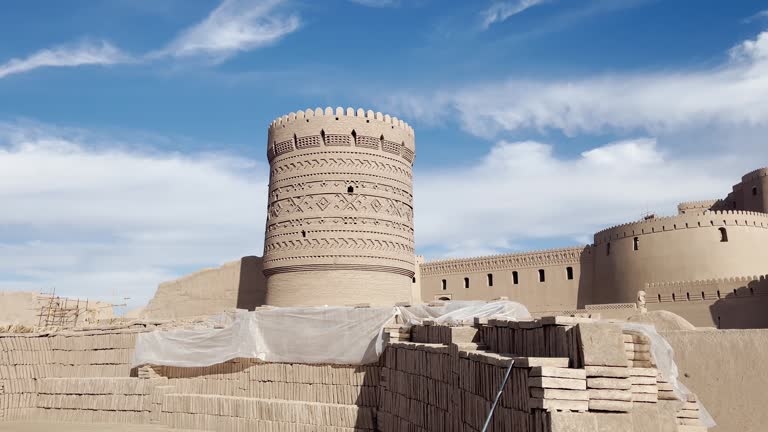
[336, 335]
[664, 356]
[456, 312]
[328, 335]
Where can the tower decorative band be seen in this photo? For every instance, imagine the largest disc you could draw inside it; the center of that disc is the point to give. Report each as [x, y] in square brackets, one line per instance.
[340, 213]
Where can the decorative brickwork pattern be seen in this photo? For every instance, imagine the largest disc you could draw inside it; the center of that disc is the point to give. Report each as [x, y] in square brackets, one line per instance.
[340, 210]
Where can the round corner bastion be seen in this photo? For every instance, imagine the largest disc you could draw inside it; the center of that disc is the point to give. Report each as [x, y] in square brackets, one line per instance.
[339, 225]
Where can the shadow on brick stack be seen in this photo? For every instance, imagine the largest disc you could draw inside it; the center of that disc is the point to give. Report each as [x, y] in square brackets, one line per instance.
[566, 374]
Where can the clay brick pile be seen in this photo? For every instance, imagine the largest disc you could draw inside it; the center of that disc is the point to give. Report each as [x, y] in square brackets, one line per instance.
[545, 337]
[637, 348]
[18, 398]
[333, 384]
[113, 400]
[231, 413]
[70, 354]
[688, 416]
[566, 374]
[573, 374]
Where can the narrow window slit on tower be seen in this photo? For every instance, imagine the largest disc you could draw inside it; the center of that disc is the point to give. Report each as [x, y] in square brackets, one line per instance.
[350, 189]
[636, 243]
[515, 279]
[754, 191]
[444, 284]
[542, 276]
[608, 248]
[303, 233]
[569, 273]
[723, 234]
[490, 279]
[322, 136]
[466, 282]
[354, 138]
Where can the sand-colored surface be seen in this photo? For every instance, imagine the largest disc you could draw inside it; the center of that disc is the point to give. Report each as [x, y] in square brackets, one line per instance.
[78, 427]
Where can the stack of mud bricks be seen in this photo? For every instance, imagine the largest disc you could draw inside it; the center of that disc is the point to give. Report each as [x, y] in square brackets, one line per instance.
[246, 394]
[27, 357]
[397, 333]
[568, 375]
[331, 384]
[688, 416]
[231, 413]
[100, 400]
[545, 337]
[446, 380]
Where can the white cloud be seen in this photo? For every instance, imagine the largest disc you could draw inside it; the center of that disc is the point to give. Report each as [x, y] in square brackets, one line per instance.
[521, 193]
[111, 223]
[234, 26]
[500, 11]
[732, 95]
[80, 54]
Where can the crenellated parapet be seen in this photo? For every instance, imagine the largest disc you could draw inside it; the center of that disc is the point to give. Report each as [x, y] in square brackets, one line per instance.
[707, 289]
[693, 220]
[341, 128]
[752, 175]
[540, 258]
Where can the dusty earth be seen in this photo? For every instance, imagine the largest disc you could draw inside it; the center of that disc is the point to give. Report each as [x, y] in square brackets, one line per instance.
[78, 427]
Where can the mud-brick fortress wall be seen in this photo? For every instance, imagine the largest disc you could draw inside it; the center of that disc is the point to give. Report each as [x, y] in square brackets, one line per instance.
[340, 209]
[751, 194]
[551, 280]
[686, 247]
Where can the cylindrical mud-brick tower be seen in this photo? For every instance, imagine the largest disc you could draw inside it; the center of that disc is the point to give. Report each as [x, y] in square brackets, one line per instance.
[340, 213]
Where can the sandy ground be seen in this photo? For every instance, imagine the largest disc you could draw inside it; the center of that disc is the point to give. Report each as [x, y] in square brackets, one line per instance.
[77, 427]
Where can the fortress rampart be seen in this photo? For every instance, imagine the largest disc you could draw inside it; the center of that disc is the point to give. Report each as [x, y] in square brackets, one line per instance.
[340, 213]
[691, 246]
[542, 280]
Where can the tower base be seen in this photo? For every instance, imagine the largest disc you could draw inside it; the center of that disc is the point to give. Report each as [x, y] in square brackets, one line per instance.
[337, 288]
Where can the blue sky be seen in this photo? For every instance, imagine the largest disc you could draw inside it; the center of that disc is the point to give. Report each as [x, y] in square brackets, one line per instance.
[132, 132]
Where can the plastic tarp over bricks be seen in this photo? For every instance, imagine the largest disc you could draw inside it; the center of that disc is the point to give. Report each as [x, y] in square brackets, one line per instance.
[336, 335]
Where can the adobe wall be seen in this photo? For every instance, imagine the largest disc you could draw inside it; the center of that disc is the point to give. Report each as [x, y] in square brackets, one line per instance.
[729, 303]
[340, 203]
[683, 247]
[751, 194]
[237, 284]
[724, 368]
[557, 292]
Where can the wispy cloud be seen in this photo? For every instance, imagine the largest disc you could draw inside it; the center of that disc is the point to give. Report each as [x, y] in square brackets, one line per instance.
[733, 94]
[519, 193]
[758, 16]
[500, 11]
[234, 26]
[80, 54]
[376, 3]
